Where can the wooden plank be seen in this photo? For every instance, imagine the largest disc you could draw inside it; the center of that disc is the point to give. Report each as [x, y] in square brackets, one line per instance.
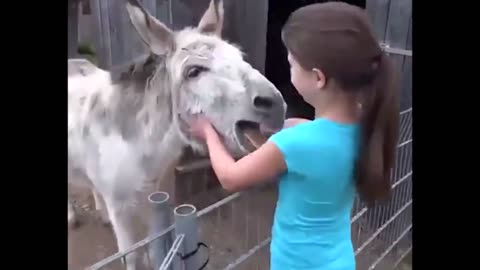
[406, 81]
[72, 28]
[134, 42]
[187, 12]
[252, 27]
[151, 6]
[104, 31]
[406, 101]
[99, 39]
[162, 11]
[86, 27]
[377, 10]
[191, 166]
[398, 23]
[409, 39]
[119, 36]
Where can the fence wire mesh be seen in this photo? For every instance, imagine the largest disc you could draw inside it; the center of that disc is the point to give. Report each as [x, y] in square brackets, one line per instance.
[382, 234]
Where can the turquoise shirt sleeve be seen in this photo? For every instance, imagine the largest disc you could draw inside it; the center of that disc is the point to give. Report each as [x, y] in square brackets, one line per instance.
[285, 141]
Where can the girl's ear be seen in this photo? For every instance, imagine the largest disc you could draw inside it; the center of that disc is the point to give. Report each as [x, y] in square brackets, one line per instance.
[320, 77]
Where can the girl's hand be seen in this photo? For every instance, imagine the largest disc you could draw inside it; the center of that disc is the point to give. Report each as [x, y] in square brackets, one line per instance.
[200, 126]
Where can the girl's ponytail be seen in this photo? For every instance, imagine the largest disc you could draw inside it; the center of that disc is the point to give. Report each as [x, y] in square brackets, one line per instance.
[380, 127]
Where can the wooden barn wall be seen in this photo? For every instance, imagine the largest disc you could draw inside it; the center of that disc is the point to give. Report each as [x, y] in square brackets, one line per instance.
[392, 21]
[108, 30]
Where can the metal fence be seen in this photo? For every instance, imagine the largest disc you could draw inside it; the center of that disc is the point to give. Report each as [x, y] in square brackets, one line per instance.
[237, 228]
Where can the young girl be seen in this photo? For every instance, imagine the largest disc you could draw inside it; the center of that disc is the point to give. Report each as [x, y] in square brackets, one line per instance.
[338, 68]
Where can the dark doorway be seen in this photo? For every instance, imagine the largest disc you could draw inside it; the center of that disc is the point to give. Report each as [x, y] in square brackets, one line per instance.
[276, 68]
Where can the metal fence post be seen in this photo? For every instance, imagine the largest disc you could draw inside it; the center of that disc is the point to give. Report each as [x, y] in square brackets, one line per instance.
[161, 219]
[186, 223]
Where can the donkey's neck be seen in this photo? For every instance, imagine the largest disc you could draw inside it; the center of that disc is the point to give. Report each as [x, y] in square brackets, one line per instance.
[141, 102]
[141, 111]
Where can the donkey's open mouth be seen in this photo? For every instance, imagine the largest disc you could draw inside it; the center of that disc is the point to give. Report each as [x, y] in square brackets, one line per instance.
[251, 135]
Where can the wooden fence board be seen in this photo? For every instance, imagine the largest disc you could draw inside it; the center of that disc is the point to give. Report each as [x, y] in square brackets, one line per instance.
[72, 28]
[104, 31]
[399, 16]
[409, 39]
[406, 81]
[378, 13]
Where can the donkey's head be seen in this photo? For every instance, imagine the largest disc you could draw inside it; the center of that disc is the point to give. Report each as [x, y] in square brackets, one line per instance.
[209, 76]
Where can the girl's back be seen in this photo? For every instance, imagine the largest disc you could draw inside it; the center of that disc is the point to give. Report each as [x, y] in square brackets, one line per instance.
[315, 196]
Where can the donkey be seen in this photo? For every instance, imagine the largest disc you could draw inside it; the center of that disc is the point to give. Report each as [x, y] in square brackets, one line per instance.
[128, 127]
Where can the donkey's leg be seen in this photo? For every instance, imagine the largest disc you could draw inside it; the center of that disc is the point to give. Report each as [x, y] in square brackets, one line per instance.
[122, 220]
[100, 207]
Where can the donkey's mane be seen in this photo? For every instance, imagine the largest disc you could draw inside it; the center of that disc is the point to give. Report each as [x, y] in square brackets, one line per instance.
[139, 94]
[137, 72]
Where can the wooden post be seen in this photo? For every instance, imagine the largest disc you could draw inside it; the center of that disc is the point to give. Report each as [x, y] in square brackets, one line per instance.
[72, 28]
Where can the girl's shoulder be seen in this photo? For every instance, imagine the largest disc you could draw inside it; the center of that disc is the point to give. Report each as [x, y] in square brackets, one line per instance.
[292, 136]
[316, 131]
[317, 125]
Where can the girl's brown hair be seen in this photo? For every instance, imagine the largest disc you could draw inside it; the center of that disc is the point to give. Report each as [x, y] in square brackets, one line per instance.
[337, 38]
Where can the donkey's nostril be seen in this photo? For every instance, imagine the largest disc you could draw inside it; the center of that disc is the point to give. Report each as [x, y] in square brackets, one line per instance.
[264, 103]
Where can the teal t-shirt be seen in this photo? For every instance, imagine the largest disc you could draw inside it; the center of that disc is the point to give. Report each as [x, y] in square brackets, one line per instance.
[311, 228]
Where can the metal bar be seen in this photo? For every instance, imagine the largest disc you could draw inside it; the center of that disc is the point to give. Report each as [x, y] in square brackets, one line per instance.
[359, 215]
[362, 212]
[402, 179]
[186, 223]
[248, 254]
[406, 111]
[404, 254]
[194, 165]
[170, 13]
[369, 240]
[139, 244]
[218, 204]
[398, 51]
[161, 219]
[379, 259]
[172, 252]
[404, 143]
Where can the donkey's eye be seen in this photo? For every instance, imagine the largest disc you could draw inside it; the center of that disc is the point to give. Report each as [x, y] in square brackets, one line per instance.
[194, 71]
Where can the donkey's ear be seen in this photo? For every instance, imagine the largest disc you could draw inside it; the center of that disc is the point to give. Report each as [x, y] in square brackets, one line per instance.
[157, 36]
[212, 20]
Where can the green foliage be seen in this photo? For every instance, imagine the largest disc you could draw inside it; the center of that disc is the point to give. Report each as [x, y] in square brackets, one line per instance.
[88, 51]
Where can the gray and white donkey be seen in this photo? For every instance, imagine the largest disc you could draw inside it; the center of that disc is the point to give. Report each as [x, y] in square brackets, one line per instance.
[127, 128]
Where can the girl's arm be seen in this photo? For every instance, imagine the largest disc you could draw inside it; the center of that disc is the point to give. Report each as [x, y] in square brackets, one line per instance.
[262, 165]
